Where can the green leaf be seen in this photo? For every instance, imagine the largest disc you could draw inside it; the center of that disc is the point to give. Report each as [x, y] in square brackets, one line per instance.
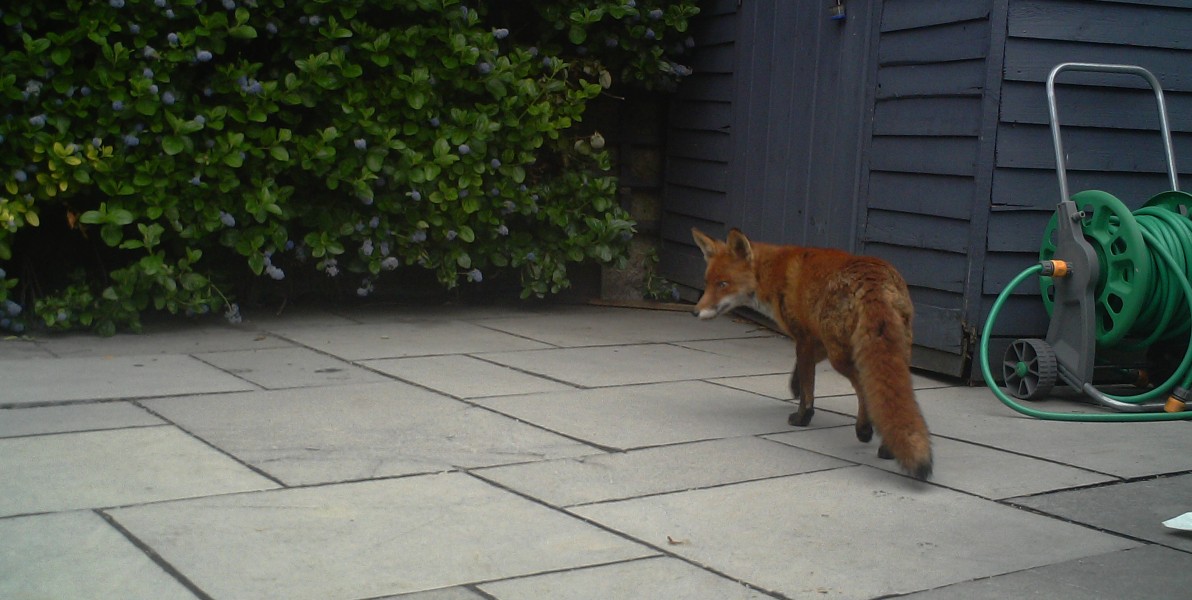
[577, 35]
[111, 234]
[279, 153]
[466, 234]
[243, 32]
[172, 144]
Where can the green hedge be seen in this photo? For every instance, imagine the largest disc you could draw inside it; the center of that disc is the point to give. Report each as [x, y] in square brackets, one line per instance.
[179, 144]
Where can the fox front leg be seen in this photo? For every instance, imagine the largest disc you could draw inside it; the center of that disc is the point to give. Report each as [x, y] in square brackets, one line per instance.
[803, 382]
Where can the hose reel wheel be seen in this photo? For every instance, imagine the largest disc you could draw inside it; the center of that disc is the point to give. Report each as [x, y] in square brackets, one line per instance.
[1030, 369]
[1125, 280]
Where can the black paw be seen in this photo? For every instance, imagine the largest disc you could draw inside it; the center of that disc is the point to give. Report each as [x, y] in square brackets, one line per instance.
[865, 432]
[884, 452]
[801, 418]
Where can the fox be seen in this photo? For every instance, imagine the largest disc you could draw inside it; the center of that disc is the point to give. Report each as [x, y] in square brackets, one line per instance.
[853, 310]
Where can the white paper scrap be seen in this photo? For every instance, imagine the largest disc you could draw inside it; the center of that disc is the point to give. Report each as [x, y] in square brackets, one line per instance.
[1182, 522]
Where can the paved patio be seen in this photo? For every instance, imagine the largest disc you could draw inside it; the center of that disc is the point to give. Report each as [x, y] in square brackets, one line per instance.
[557, 452]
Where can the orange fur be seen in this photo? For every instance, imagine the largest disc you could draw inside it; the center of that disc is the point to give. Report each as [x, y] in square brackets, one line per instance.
[853, 310]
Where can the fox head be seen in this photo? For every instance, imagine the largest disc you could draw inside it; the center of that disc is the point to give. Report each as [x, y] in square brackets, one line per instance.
[729, 281]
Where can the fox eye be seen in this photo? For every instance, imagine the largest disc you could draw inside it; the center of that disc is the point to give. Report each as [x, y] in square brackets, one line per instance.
[722, 284]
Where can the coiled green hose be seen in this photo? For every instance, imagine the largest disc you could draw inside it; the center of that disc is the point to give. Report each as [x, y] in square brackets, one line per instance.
[1165, 241]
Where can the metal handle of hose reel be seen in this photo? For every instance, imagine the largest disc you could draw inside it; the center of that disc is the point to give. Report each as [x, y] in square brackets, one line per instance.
[1165, 128]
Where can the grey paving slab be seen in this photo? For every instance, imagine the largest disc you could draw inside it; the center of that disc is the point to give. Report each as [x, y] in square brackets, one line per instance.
[453, 311]
[597, 326]
[405, 338]
[279, 368]
[1146, 572]
[16, 348]
[367, 539]
[827, 383]
[625, 365]
[111, 468]
[102, 378]
[76, 417]
[856, 532]
[1124, 450]
[620, 475]
[776, 352]
[1137, 508]
[653, 415]
[646, 578]
[321, 435]
[464, 376]
[172, 337]
[77, 555]
[979, 470]
[452, 593]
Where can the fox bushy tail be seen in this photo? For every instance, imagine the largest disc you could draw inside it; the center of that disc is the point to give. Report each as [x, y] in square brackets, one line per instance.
[881, 353]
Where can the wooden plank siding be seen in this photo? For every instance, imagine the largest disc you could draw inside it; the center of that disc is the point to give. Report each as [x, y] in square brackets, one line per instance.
[917, 131]
[1110, 126]
[699, 144]
[928, 118]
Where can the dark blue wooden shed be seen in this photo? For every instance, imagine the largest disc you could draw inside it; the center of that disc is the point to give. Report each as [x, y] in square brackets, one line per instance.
[917, 131]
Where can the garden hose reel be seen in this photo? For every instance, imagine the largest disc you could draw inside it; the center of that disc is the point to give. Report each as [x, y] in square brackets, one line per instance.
[1100, 266]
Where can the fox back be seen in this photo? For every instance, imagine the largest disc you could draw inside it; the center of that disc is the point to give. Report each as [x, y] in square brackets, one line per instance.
[853, 310]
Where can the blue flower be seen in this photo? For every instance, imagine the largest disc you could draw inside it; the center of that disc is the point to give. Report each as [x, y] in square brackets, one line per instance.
[37, 120]
[434, 121]
[502, 230]
[366, 248]
[271, 28]
[170, 13]
[147, 73]
[160, 3]
[475, 275]
[196, 180]
[315, 20]
[117, 105]
[227, 219]
[232, 314]
[131, 140]
[12, 308]
[416, 195]
[229, 4]
[611, 42]
[501, 33]
[390, 263]
[275, 272]
[451, 234]
[465, 149]
[656, 14]
[484, 68]
[418, 236]
[172, 38]
[167, 98]
[116, 3]
[203, 55]
[496, 163]
[374, 222]
[3, 274]
[153, 89]
[360, 143]
[149, 52]
[85, 91]
[96, 142]
[531, 257]
[134, 29]
[650, 34]
[200, 119]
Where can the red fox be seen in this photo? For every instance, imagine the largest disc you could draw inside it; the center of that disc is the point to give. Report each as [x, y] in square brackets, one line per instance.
[853, 310]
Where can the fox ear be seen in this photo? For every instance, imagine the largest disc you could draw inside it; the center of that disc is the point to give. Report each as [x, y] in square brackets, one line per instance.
[739, 245]
[706, 244]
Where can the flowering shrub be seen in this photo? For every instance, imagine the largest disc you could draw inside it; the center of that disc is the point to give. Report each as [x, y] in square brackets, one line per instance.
[184, 140]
